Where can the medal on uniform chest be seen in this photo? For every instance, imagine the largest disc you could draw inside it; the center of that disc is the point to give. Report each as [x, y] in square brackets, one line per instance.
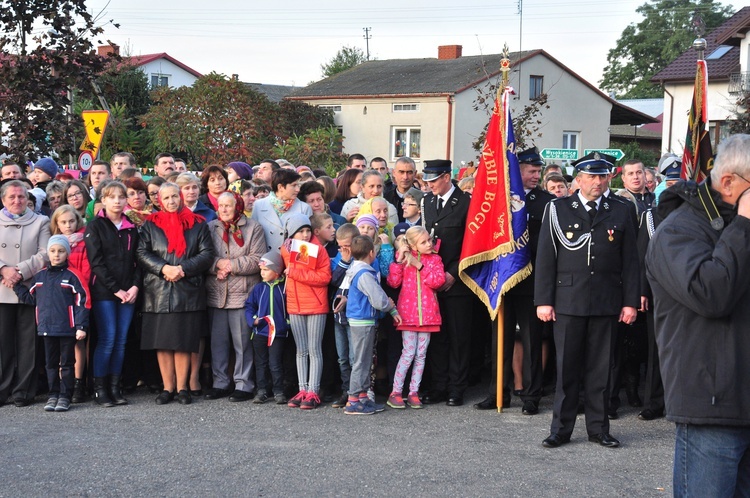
[611, 235]
[569, 235]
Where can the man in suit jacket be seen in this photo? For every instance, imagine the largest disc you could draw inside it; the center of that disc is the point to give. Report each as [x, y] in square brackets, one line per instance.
[444, 213]
[587, 280]
[519, 303]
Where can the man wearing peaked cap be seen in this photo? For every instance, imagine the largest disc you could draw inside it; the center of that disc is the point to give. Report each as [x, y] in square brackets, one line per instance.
[444, 212]
[530, 156]
[586, 281]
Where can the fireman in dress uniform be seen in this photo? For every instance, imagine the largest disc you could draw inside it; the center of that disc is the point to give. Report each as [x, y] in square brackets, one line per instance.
[587, 280]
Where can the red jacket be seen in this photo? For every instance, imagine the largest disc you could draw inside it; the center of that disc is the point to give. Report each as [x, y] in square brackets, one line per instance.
[417, 302]
[79, 260]
[307, 288]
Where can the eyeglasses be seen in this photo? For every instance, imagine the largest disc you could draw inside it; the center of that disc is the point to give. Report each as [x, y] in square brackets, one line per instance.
[748, 181]
[74, 194]
[153, 194]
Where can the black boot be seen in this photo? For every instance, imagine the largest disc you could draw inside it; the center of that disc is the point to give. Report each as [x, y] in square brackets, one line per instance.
[101, 396]
[114, 391]
[79, 392]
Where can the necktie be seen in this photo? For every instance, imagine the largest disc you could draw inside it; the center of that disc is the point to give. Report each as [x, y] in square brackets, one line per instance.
[440, 204]
[592, 211]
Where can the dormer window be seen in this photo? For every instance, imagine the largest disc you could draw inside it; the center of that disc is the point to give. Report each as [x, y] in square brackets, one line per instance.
[720, 51]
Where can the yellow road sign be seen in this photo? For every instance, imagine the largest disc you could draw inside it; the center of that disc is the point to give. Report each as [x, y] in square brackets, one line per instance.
[95, 123]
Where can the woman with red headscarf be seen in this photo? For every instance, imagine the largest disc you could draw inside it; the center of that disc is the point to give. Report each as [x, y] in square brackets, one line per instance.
[239, 244]
[175, 251]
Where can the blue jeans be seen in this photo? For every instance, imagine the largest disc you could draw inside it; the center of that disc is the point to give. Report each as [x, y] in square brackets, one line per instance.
[112, 323]
[343, 337]
[711, 460]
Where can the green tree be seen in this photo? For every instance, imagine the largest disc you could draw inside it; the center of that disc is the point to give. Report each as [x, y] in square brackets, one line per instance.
[317, 148]
[46, 51]
[217, 120]
[646, 48]
[298, 117]
[344, 59]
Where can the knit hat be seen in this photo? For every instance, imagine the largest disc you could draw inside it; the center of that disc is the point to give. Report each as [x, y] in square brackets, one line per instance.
[48, 165]
[272, 260]
[59, 240]
[367, 219]
[243, 170]
[295, 223]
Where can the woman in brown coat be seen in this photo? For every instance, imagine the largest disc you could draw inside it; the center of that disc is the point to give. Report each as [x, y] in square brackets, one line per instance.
[238, 243]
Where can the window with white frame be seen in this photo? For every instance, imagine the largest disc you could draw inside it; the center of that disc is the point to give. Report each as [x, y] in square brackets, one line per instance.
[536, 86]
[405, 107]
[570, 140]
[159, 80]
[334, 108]
[406, 141]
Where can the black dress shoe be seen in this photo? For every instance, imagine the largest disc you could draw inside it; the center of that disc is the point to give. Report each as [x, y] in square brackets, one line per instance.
[649, 414]
[433, 398]
[455, 401]
[555, 440]
[487, 404]
[21, 402]
[196, 392]
[216, 393]
[184, 398]
[612, 414]
[530, 408]
[164, 397]
[238, 395]
[605, 439]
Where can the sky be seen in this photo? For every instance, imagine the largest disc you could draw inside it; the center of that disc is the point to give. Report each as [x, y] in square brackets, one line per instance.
[285, 42]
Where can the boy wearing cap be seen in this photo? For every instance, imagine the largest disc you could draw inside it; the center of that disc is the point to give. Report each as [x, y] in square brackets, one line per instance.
[587, 280]
[62, 318]
[267, 300]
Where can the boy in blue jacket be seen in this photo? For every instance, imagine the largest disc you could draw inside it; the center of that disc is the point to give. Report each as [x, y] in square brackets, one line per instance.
[365, 299]
[62, 318]
[267, 300]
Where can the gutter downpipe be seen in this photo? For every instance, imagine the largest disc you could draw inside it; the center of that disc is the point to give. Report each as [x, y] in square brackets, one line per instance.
[671, 116]
[450, 125]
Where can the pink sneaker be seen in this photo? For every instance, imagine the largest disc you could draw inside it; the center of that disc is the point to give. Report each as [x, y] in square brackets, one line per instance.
[312, 400]
[414, 401]
[395, 400]
[296, 401]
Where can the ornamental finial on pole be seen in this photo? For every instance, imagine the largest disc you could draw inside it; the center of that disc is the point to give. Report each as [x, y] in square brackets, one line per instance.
[699, 28]
[505, 66]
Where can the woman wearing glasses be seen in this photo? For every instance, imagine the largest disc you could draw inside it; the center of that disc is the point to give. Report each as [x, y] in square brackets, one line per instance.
[77, 195]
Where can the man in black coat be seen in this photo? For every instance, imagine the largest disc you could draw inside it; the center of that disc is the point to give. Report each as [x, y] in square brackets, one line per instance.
[403, 175]
[519, 303]
[587, 279]
[444, 213]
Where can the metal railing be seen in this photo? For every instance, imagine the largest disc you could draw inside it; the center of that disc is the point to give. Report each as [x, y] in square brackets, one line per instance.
[739, 82]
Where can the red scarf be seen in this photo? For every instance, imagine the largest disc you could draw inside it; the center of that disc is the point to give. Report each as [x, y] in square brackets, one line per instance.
[231, 226]
[174, 226]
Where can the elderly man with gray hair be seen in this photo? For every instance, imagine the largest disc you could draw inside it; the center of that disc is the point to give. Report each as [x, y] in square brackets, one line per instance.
[698, 265]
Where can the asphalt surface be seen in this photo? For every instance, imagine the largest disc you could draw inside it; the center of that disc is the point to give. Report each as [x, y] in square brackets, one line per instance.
[213, 448]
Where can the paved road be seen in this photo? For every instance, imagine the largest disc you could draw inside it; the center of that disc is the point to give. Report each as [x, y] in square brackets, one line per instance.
[213, 448]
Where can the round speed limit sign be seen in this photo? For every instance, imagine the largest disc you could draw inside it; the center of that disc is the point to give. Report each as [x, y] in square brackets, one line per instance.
[85, 160]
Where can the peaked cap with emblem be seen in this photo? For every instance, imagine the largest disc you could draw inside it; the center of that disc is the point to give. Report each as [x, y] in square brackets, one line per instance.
[595, 163]
[530, 156]
[434, 168]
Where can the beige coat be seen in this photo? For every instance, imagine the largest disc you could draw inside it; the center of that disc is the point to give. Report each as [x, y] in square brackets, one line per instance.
[23, 244]
[232, 292]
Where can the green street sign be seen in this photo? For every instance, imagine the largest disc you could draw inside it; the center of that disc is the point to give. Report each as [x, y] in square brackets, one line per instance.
[560, 154]
[616, 153]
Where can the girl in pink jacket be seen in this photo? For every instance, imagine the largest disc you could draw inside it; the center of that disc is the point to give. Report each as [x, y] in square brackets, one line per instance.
[419, 271]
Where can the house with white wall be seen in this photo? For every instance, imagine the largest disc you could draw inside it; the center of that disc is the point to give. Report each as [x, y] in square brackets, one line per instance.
[161, 69]
[426, 108]
[727, 58]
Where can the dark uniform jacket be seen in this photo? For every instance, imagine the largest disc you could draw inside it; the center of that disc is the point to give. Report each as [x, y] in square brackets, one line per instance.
[700, 278]
[536, 201]
[448, 227]
[586, 269]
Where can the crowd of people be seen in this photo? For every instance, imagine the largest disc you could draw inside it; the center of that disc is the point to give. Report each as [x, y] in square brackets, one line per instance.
[278, 283]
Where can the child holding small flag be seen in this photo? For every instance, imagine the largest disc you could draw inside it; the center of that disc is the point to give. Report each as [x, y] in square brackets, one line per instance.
[308, 270]
[265, 310]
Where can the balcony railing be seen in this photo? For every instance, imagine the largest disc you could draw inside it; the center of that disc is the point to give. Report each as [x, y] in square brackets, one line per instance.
[739, 83]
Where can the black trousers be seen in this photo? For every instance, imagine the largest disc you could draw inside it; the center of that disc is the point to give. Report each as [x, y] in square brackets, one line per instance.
[269, 357]
[449, 351]
[585, 347]
[654, 394]
[60, 360]
[520, 310]
[17, 352]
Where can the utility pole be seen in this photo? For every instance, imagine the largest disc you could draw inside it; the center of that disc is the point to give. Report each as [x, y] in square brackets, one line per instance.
[520, 46]
[367, 37]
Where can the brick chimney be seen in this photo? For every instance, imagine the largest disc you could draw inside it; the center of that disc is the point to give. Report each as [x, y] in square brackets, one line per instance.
[105, 50]
[449, 52]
